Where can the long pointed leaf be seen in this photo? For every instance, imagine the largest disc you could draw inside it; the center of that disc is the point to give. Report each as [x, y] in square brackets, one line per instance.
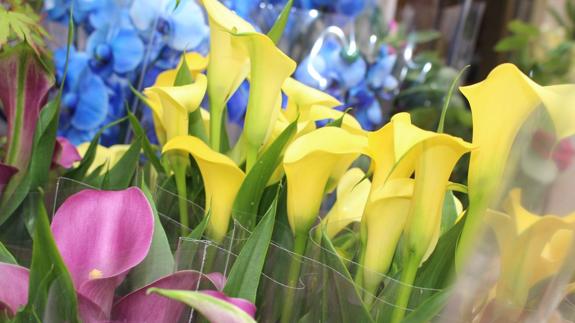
[280, 24]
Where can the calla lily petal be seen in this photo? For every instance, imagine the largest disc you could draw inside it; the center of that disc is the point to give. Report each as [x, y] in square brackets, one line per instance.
[139, 306]
[381, 227]
[65, 154]
[13, 287]
[101, 235]
[352, 193]
[302, 97]
[171, 106]
[22, 95]
[436, 157]
[222, 180]
[309, 162]
[269, 69]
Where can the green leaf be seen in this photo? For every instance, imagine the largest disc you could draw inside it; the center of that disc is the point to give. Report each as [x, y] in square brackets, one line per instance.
[345, 302]
[246, 205]
[6, 256]
[199, 230]
[512, 43]
[424, 36]
[146, 145]
[521, 28]
[214, 309]
[159, 261]
[48, 275]
[120, 176]
[244, 277]
[280, 24]
[339, 121]
[429, 309]
[447, 99]
[449, 212]
[79, 172]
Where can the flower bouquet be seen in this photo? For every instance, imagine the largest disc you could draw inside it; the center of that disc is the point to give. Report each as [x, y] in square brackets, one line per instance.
[304, 216]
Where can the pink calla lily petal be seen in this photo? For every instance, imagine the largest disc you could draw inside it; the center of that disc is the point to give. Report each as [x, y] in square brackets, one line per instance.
[218, 280]
[90, 312]
[65, 153]
[14, 282]
[6, 173]
[138, 306]
[243, 304]
[24, 77]
[101, 235]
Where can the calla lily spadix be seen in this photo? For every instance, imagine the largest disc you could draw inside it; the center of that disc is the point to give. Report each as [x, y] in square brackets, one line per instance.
[171, 106]
[222, 180]
[500, 105]
[352, 192]
[309, 163]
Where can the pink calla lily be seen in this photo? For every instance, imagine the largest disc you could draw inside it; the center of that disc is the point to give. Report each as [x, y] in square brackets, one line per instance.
[13, 287]
[65, 153]
[101, 236]
[23, 91]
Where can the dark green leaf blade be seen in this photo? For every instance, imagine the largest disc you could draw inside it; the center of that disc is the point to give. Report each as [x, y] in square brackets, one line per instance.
[244, 277]
[120, 176]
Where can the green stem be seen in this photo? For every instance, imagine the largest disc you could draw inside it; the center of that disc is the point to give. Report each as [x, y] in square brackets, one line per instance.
[179, 167]
[251, 157]
[293, 277]
[404, 293]
[216, 115]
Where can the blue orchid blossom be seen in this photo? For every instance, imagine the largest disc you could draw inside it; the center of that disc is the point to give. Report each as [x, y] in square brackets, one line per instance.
[181, 28]
[85, 99]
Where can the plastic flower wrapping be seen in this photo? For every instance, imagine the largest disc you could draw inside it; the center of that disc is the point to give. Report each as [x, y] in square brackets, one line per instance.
[170, 161]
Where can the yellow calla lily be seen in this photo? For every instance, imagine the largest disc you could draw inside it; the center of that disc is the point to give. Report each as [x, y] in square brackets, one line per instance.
[269, 69]
[352, 192]
[196, 64]
[503, 102]
[532, 247]
[302, 97]
[436, 158]
[381, 227]
[108, 156]
[171, 106]
[229, 61]
[222, 180]
[309, 162]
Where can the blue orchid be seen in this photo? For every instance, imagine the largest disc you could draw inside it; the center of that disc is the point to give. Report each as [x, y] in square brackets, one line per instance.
[184, 28]
[85, 99]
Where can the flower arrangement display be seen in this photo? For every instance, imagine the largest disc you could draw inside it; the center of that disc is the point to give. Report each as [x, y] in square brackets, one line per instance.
[303, 215]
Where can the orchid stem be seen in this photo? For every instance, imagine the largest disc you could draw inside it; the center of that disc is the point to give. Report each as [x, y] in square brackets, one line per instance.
[404, 293]
[300, 243]
[179, 167]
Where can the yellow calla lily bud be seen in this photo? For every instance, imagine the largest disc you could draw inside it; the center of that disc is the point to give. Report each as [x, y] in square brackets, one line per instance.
[309, 162]
[436, 158]
[352, 192]
[500, 105]
[108, 156]
[171, 106]
[381, 227]
[222, 180]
